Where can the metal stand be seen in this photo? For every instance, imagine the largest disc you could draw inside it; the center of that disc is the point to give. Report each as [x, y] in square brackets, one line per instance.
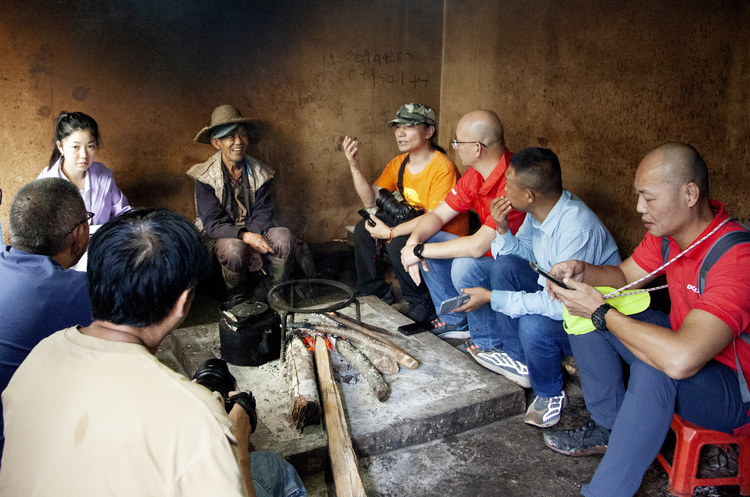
[287, 310]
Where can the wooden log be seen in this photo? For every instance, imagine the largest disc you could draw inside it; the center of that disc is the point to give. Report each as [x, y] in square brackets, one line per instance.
[377, 384]
[362, 326]
[384, 363]
[379, 344]
[303, 389]
[343, 460]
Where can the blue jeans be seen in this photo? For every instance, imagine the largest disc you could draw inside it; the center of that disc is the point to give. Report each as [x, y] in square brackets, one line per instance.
[273, 476]
[644, 416]
[446, 277]
[537, 341]
[438, 281]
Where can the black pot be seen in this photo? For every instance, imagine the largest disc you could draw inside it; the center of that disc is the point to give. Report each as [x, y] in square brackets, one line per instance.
[250, 332]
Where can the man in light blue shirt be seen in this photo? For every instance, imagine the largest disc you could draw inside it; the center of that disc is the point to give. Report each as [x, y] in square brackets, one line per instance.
[529, 341]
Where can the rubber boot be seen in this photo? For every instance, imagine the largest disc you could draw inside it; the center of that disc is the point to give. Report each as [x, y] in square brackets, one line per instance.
[280, 269]
[235, 283]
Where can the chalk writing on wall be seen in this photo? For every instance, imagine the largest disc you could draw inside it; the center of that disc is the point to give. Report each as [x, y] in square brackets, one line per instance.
[377, 69]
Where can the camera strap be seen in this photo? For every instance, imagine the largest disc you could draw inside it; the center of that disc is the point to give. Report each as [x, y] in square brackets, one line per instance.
[400, 182]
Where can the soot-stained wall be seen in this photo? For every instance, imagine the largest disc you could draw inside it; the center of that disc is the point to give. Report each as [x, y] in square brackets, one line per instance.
[602, 83]
[151, 73]
[599, 83]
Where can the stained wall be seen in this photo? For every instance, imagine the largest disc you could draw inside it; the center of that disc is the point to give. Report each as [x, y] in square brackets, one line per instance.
[151, 73]
[602, 83]
[598, 82]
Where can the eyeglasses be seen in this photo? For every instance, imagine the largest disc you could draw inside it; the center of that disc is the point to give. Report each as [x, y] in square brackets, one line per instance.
[455, 143]
[89, 217]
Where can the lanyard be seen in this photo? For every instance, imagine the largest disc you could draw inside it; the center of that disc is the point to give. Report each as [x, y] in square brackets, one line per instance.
[616, 293]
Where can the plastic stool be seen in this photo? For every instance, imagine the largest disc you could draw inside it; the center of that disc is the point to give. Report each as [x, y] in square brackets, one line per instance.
[690, 439]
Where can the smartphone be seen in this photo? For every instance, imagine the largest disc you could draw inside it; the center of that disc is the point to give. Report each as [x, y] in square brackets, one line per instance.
[413, 328]
[538, 270]
[452, 303]
[366, 216]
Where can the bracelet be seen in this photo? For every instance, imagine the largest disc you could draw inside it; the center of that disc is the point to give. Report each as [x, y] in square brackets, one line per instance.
[390, 238]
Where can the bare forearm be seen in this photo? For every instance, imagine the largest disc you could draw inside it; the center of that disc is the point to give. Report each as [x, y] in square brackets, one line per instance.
[650, 343]
[365, 190]
[425, 228]
[603, 276]
[679, 354]
[406, 228]
[244, 461]
[463, 246]
[241, 431]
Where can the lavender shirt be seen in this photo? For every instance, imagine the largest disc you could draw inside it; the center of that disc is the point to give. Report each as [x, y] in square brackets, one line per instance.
[106, 199]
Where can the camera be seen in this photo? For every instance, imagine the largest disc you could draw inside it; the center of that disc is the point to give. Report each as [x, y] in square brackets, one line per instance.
[392, 212]
[214, 374]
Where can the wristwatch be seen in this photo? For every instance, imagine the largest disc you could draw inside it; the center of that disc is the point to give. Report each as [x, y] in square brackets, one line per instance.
[597, 318]
[418, 248]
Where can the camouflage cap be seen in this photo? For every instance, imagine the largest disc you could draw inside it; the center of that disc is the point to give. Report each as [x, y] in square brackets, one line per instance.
[414, 114]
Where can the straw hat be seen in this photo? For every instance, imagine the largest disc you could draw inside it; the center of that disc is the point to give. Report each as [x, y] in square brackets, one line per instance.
[228, 114]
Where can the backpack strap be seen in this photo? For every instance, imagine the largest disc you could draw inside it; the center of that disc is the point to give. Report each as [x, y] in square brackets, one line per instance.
[740, 375]
[400, 182]
[665, 248]
[718, 249]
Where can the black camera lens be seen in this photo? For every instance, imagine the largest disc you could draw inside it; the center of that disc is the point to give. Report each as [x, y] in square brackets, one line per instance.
[214, 374]
[397, 212]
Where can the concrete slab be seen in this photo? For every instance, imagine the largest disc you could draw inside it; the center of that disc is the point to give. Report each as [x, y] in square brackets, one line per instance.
[447, 394]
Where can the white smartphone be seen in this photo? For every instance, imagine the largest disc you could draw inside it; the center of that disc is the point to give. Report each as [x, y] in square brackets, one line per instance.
[452, 303]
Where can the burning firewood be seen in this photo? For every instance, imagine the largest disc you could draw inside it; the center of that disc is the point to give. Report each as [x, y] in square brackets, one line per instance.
[303, 389]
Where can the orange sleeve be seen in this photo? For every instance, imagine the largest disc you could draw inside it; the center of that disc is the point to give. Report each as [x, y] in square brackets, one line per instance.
[389, 176]
[442, 182]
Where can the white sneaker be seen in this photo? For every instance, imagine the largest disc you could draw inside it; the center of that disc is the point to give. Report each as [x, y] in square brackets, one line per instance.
[545, 411]
[502, 363]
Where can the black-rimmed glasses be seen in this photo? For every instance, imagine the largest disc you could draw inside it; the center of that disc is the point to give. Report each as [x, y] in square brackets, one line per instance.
[89, 217]
[455, 143]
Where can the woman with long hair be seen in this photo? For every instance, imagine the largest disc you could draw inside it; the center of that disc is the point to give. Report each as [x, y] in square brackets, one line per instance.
[75, 144]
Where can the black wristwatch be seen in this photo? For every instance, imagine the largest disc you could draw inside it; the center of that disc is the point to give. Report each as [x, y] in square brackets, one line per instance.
[597, 318]
[418, 248]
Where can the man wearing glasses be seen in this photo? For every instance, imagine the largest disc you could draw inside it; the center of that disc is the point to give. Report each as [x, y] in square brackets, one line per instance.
[40, 294]
[444, 258]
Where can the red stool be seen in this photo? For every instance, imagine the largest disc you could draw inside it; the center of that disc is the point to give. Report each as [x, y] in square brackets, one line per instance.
[690, 439]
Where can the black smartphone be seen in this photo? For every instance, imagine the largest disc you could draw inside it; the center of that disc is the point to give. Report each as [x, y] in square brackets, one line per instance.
[538, 270]
[411, 329]
[366, 216]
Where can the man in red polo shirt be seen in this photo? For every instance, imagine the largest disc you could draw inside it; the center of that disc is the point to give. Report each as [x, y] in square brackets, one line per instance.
[444, 258]
[683, 363]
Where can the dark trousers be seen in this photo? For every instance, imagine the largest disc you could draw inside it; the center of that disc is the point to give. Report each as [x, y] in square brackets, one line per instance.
[640, 416]
[368, 257]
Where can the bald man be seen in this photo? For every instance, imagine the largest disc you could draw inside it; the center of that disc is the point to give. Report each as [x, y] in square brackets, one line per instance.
[444, 258]
[684, 363]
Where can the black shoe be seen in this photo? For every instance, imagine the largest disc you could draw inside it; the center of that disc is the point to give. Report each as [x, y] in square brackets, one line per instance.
[584, 441]
[388, 298]
[422, 311]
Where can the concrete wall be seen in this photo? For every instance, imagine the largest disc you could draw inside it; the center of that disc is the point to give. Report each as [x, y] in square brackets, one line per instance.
[150, 73]
[598, 82]
[601, 83]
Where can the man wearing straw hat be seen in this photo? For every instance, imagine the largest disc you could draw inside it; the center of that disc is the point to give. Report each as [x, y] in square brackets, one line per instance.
[233, 201]
[690, 362]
